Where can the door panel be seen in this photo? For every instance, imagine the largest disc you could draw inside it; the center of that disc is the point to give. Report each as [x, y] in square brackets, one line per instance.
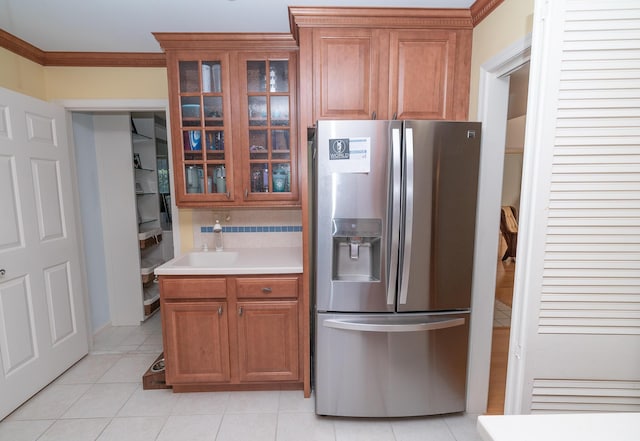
[11, 228]
[421, 74]
[46, 178]
[42, 314]
[16, 316]
[359, 202]
[346, 74]
[197, 348]
[438, 246]
[390, 365]
[268, 341]
[575, 339]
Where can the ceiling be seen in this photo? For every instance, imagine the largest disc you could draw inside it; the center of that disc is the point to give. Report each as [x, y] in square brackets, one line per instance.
[126, 25]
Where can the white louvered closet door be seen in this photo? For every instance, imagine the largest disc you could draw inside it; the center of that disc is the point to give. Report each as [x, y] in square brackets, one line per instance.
[576, 334]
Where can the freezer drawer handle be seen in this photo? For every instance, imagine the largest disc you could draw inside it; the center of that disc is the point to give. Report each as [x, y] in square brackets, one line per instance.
[384, 327]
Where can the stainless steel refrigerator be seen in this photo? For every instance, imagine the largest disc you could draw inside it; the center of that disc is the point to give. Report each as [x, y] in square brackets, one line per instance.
[395, 208]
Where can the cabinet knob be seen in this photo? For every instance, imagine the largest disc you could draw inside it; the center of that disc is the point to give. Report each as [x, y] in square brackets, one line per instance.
[395, 115]
[2, 272]
[240, 311]
[219, 310]
[374, 115]
[246, 192]
[267, 290]
[228, 195]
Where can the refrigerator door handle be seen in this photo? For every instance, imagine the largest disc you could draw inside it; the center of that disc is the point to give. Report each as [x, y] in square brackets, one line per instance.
[408, 215]
[395, 216]
[386, 327]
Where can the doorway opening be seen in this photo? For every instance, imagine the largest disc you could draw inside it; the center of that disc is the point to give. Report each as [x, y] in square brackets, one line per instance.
[506, 256]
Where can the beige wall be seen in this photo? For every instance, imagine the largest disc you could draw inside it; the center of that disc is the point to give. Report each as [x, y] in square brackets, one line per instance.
[56, 83]
[508, 23]
[105, 83]
[21, 75]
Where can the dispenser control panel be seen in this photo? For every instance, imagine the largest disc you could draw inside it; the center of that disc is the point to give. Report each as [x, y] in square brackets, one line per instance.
[356, 227]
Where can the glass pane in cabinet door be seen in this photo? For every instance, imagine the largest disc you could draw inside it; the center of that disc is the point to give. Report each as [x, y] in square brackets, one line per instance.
[256, 76]
[279, 76]
[213, 113]
[192, 142]
[259, 178]
[211, 77]
[214, 141]
[281, 178]
[216, 179]
[194, 178]
[190, 106]
[280, 144]
[257, 110]
[279, 110]
[189, 77]
[258, 148]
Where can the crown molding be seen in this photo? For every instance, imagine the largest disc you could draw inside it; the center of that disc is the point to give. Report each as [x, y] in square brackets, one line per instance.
[416, 18]
[80, 59]
[225, 40]
[21, 47]
[480, 9]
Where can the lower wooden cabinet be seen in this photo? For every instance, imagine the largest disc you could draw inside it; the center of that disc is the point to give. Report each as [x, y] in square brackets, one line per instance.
[226, 333]
[268, 340]
[196, 342]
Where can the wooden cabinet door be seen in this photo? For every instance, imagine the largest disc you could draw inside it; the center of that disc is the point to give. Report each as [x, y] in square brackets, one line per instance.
[267, 136]
[200, 100]
[196, 342]
[345, 83]
[268, 341]
[422, 68]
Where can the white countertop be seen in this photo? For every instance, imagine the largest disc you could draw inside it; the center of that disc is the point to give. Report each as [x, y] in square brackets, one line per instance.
[561, 427]
[276, 260]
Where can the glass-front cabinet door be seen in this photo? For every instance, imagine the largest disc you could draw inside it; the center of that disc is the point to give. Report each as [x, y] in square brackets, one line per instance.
[269, 127]
[204, 150]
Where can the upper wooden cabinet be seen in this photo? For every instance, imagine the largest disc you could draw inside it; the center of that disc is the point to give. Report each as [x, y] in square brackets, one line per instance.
[383, 63]
[232, 101]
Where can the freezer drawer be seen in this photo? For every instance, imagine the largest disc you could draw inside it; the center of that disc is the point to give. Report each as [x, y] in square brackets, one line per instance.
[390, 365]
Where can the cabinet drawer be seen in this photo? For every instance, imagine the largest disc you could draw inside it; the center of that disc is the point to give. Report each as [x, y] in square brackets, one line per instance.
[193, 288]
[267, 287]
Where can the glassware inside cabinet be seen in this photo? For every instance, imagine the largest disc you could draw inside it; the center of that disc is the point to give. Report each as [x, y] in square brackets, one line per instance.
[194, 178]
[259, 177]
[190, 108]
[257, 110]
[279, 110]
[211, 77]
[216, 178]
[281, 177]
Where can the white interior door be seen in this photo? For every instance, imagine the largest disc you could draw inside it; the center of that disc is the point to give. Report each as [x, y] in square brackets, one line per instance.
[575, 339]
[42, 315]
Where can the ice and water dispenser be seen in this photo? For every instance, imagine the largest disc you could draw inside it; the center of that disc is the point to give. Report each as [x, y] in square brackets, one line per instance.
[356, 250]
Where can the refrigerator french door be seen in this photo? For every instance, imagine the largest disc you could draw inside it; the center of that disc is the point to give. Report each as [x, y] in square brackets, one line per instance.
[394, 208]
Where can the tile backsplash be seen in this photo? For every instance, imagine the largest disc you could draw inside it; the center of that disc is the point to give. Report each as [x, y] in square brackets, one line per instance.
[248, 228]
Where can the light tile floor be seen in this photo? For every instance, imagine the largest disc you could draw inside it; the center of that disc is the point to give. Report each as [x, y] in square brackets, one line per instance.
[101, 398]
